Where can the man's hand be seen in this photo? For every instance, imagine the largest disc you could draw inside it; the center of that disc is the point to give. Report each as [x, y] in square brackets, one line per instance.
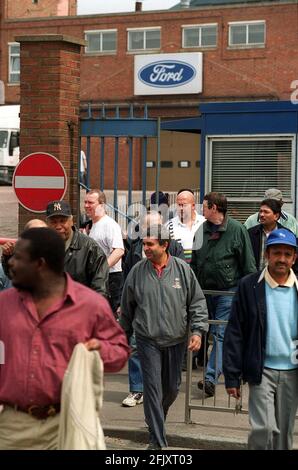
[234, 392]
[7, 248]
[93, 344]
[194, 343]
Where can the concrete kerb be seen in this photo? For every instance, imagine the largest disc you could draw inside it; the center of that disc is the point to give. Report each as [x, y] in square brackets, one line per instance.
[202, 442]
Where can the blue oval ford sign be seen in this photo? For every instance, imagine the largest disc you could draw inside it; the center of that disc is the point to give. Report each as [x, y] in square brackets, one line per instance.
[167, 73]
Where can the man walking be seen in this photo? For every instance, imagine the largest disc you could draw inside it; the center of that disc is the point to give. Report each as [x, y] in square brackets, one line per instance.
[286, 219]
[84, 259]
[260, 345]
[42, 318]
[161, 298]
[269, 214]
[187, 221]
[222, 255]
[107, 233]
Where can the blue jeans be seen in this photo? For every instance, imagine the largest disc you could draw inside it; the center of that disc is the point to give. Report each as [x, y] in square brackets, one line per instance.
[219, 308]
[134, 368]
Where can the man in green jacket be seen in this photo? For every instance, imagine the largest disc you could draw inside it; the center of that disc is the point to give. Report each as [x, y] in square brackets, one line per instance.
[222, 254]
[161, 298]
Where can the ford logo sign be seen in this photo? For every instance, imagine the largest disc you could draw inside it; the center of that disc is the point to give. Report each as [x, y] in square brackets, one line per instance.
[167, 73]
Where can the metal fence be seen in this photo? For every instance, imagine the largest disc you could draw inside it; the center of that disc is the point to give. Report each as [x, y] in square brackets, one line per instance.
[220, 401]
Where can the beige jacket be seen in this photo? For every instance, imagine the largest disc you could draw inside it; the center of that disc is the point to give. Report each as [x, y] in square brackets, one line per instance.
[81, 401]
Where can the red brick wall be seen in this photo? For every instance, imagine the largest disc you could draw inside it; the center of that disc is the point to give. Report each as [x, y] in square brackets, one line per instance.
[49, 102]
[257, 73]
[28, 9]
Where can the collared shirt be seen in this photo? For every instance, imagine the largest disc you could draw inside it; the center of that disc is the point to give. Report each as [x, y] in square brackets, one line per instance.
[37, 351]
[291, 281]
[159, 269]
[183, 234]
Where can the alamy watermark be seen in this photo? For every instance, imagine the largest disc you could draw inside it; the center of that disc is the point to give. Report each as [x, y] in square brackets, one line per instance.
[294, 95]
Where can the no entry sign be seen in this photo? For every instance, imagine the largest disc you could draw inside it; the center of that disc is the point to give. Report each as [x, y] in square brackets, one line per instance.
[38, 179]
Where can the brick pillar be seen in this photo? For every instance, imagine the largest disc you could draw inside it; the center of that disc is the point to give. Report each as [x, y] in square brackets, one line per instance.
[50, 99]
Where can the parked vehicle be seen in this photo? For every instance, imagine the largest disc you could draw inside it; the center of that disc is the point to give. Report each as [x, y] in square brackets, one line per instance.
[9, 141]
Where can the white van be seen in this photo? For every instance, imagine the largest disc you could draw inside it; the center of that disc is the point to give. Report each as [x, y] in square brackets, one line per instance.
[9, 141]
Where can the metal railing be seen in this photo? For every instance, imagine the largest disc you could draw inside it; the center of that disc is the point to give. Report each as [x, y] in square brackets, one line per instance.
[211, 403]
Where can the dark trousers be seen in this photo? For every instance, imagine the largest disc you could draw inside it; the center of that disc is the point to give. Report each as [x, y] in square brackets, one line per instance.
[161, 369]
[115, 289]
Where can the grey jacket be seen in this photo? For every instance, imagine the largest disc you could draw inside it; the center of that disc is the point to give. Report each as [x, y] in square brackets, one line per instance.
[160, 309]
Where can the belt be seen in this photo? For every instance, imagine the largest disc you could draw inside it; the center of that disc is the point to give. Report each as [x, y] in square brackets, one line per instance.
[37, 411]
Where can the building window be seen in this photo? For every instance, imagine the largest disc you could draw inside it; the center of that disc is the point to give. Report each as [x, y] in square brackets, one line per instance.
[204, 35]
[166, 164]
[14, 62]
[250, 33]
[243, 168]
[143, 39]
[102, 41]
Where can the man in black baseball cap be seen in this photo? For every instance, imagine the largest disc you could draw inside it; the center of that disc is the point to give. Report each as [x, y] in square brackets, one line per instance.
[84, 259]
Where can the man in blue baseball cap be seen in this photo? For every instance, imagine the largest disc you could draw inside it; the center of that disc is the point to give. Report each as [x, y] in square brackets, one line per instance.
[260, 345]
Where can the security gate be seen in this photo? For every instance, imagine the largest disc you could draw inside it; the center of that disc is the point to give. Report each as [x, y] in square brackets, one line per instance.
[103, 129]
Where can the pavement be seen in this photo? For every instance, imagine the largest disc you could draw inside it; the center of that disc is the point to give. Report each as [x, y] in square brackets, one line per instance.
[209, 429]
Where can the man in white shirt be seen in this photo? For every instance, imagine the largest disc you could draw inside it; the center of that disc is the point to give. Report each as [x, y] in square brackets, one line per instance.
[107, 233]
[183, 227]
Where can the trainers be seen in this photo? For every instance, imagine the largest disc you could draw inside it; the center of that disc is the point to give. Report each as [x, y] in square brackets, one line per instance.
[209, 387]
[133, 399]
[153, 446]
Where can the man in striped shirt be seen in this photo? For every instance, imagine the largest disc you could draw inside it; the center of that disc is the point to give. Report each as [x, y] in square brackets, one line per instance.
[183, 227]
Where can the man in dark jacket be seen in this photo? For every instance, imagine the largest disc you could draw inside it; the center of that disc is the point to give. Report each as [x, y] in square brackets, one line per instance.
[161, 300]
[84, 259]
[269, 214]
[136, 254]
[221, 256]
[260, 345]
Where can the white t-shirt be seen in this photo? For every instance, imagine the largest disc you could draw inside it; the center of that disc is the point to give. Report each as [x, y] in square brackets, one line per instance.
[107, 233]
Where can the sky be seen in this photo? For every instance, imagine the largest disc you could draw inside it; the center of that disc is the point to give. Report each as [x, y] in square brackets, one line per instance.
[88, 7]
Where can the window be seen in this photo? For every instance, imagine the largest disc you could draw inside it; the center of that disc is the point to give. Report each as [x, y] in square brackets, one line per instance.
[243, 168]
[251, 33]
[166, 164]
[204, 35]
[101, 41]
[143, 39]
[14, 62]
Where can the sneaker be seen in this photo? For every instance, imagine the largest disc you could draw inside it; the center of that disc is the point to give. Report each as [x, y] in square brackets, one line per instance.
[209, 388]
[153, 446]
[133, 399]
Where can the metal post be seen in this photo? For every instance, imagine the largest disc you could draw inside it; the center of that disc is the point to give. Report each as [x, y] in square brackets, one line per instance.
[88, 162]
[116, 162]
[144, 170]
[157, 158]
[102, 163]
[130, 161]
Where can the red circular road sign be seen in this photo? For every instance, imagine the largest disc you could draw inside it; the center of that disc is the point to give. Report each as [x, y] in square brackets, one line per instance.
[38, 179]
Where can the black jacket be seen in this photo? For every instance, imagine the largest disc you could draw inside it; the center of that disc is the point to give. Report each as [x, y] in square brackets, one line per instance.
[245, 335]
[84, 261]
[255, 235]
[135, 254]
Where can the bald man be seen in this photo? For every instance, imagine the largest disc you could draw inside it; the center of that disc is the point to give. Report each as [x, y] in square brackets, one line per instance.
[183, 227]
